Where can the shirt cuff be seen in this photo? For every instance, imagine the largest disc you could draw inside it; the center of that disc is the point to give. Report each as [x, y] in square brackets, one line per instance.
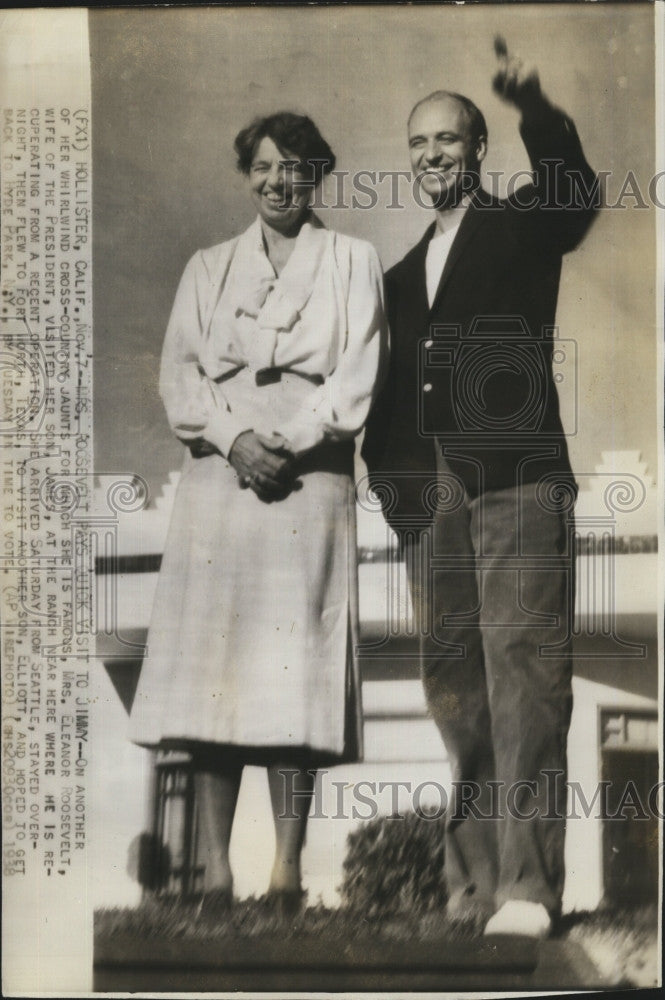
[222, 430]
[301, 437]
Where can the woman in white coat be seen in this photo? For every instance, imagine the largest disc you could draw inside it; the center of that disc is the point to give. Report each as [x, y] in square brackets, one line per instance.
[272, 357]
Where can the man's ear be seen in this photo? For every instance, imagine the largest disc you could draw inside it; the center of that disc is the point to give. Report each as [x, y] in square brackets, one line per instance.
[481, 148]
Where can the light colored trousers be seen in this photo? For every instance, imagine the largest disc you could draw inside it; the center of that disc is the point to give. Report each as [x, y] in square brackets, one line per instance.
[492, 582]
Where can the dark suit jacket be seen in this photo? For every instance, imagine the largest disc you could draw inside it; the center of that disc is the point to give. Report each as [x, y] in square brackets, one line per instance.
[475, 372]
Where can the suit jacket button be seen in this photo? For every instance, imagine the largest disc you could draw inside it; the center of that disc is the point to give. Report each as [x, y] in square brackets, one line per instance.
[429, 343]
[427, 387]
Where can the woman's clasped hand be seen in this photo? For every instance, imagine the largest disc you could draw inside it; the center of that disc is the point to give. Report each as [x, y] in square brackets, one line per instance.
[265, 465]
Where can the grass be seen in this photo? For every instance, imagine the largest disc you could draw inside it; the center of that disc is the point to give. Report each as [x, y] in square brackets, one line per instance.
[171, 918]
[622, 944]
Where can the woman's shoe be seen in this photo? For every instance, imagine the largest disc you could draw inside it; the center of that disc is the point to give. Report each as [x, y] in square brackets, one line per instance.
[286, 903]
[215, 901]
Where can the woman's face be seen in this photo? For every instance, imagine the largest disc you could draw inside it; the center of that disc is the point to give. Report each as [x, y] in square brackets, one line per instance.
[279, 188]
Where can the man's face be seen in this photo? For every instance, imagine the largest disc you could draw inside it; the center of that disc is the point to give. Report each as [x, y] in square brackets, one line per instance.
[442, 149]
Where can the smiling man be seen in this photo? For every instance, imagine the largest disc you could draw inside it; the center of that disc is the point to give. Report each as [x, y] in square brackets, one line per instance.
[447, 143]
[466, 451]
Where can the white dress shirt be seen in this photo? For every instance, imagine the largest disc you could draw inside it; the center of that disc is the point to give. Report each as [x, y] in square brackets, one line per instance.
[437, 255]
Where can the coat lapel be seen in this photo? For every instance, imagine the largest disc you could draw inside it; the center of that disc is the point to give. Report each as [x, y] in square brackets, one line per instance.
[412, 279]
[472, 220]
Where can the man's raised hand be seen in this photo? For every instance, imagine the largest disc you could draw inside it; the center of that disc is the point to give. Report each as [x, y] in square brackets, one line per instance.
[516, 83]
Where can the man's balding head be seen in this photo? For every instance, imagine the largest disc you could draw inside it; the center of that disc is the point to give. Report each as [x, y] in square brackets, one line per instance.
[475, 118]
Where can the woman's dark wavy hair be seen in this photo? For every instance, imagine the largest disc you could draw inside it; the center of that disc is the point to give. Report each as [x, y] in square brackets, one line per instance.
[294, 135]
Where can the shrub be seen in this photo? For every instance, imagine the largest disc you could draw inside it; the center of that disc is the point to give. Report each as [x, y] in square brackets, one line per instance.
[395, 863]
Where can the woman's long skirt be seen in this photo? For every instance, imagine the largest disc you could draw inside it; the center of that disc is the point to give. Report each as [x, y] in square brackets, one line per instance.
[254, 626]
